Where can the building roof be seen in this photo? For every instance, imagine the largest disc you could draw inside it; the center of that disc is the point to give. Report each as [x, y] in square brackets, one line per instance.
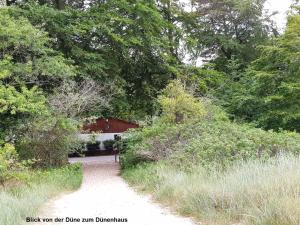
[109, 125]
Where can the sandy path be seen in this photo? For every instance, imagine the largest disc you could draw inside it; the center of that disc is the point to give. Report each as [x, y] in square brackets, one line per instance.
[105, 194]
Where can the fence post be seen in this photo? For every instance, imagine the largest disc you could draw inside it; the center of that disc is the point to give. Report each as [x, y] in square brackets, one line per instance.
[115, 151]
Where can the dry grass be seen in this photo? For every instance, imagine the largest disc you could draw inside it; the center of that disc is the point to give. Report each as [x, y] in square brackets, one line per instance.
[22, 201]
[256, 193]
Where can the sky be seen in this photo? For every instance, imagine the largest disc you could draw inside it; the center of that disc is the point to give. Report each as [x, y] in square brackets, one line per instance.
[281, 6]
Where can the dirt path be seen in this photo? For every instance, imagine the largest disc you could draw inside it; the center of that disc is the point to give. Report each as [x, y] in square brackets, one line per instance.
[104, 194]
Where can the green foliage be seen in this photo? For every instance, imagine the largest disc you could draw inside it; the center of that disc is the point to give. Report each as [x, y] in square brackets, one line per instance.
[269, 94]
[49, 140]
[141, 46]
[18, 104]
[164, 138]
[202, 80]
[27, 64]
[215, 170]
[178, 105]
[223, 143]
[120, 41]
[12, 169]
[30, 101]
[138, 145]
[209, 143]
[8, 162]
[170, 132]
[209, 139]
[28, 50]
[226, 29]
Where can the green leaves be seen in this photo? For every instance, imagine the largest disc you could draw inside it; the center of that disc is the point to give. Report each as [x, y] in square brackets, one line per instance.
[54, 67]
[120, 41]
[19, 100]
[8, 162]
[207, 143]
[5, 67]
[273, 83]
[30, 101]
[178, 105]
[29, 68]
[226, 29]
[19, 33]
[27, 51]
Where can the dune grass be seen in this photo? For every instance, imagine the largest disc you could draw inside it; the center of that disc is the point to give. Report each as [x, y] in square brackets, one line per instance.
[17, 203]
[254, 192]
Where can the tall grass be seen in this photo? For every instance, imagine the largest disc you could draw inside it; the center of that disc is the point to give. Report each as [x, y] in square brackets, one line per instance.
[18, 203]
[254, 192]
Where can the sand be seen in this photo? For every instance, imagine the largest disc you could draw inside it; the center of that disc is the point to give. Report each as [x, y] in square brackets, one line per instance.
[105, 196]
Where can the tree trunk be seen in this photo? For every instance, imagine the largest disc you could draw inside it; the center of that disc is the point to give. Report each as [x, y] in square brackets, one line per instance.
[60, 4]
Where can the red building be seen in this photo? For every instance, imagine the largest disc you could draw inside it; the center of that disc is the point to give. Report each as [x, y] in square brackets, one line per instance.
[109, 125]
[101, 131]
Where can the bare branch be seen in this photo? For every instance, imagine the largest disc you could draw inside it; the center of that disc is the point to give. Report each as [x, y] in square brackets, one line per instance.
[73, 99]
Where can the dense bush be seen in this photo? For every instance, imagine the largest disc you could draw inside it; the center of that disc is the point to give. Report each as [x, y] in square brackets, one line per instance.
[207, 143]
[206, 138]
[178, 105]
[41, 101]
[49, 141]
[10, 165]
[224, 142]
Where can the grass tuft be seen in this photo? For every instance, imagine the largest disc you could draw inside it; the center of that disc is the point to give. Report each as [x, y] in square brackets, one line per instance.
[254, 192]
[20, 202]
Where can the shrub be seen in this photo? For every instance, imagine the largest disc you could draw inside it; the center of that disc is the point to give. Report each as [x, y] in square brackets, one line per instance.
[49, 141]
[205, 135]
[178, 105]
[9, 163]
[217, 143]
[8, 160]
[138, 147]
[221, 143]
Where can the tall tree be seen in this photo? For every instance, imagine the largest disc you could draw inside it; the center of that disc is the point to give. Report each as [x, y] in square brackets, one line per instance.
[26, 65]
[172, 12]
[271, 91]
[120, 40]
[228, 29]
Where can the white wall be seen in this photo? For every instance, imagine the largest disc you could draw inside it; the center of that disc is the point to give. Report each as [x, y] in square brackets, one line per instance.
[98, 137]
